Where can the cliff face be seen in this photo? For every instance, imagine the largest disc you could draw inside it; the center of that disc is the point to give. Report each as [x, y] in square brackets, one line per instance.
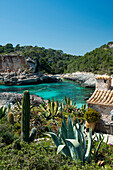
[15, 62]
[11, 62]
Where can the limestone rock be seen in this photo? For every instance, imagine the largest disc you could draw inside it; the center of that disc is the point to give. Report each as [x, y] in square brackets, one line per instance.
[91, 82]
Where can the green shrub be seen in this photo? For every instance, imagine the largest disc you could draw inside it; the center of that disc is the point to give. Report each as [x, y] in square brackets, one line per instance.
[91, 115]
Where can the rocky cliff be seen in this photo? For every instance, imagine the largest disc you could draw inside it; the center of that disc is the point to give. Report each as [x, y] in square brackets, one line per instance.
[15, 62]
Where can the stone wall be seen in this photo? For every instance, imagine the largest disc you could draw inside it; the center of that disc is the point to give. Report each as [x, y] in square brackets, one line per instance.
[104, 126]
[102, 84]
[103, 109]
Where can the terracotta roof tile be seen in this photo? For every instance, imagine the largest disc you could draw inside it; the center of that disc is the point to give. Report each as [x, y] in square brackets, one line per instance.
[104, 97]
[105, 77]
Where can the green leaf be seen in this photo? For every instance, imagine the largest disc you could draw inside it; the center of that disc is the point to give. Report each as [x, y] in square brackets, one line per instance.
[70, 133]
[19, 105]
[64, 130]
[88, 152]
[74, 142]
[55, 138]
[59, 149]
[77, 148]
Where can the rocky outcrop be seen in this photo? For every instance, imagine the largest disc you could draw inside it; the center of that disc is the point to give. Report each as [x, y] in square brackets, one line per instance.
[6, 98]
[85, 79]
[23, 78]
[15, 63]
[91, 82]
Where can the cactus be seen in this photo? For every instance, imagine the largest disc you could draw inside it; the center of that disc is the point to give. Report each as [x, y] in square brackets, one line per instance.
[25, 122]
[10, 118]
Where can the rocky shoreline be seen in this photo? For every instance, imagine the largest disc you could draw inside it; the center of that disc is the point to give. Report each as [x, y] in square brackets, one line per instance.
[84, 78]
[17, 78]
[12, 98]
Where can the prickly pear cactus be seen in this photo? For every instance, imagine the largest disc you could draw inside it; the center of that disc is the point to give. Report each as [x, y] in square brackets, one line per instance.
[25, 121]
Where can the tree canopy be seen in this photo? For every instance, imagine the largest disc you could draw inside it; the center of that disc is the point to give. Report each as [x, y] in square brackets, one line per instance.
[54, 61]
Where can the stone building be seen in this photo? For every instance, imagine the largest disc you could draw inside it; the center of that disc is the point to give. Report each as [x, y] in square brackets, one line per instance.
[102, 101]
[102, 98]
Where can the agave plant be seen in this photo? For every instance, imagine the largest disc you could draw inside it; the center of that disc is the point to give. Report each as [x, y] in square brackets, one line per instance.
[51, 110]
[68, 107]
[3, 111]
[71, 140]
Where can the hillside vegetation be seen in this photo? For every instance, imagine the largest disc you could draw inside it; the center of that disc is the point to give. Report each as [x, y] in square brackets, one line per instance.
[53, 61]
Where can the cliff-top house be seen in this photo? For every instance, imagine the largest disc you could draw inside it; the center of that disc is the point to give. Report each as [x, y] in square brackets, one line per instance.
[102, 98]
[102, 101]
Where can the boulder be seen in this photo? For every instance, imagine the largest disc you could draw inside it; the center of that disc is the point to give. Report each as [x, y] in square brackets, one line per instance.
[91, 82]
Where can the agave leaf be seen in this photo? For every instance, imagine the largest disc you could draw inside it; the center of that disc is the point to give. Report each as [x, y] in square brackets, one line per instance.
[57, 142]
[64, 121]
[78, 134]
[43, 108]
[80, 138]
[75, 132]
[66, 151]
[98, 147]
[71, 102]
[57, 126]
[88, 152]
[77, 148]
[70, 133]
[55, 138]
[52, 106]
[49, 103]
[56, 107]
[68, 100]
[79, 126]
[59, 149]
[82, 128]
[19, 105]
[83, 145]
[64, 130]
[4, 110]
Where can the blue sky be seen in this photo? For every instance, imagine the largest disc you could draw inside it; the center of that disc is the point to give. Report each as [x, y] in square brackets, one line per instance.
[74, 26]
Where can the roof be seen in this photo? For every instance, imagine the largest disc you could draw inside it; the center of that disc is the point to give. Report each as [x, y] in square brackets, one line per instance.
[104, 97]
[105, 77]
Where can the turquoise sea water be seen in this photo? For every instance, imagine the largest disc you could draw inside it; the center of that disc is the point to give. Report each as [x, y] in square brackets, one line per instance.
[57, 90]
